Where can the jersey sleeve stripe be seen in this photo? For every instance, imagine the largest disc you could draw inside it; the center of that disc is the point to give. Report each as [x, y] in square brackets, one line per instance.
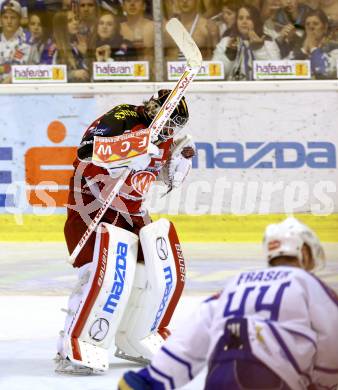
[326, 370]
[303, 335]
[284, 347]
[179, 360]
[331, 294]
[163, 375]
[212, 298]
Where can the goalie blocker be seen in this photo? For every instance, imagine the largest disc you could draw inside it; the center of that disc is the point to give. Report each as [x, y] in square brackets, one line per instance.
[122, 301]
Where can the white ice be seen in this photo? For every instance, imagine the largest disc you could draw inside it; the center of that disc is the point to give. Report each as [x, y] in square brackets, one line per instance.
[35, 281]
[27, 347]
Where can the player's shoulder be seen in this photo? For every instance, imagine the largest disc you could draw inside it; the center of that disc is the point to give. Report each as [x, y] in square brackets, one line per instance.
[313, 284]
[322, 287]
[121, 113]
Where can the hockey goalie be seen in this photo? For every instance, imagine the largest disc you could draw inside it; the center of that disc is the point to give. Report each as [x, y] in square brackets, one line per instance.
[131, 270]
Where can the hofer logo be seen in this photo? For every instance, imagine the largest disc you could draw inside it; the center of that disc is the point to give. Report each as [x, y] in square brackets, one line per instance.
[265, 155]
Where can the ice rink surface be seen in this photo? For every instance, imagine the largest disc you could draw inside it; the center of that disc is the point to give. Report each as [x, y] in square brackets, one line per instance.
[35, 281]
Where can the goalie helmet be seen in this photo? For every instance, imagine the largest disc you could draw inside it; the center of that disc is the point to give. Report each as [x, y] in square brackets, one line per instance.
[287, 239]
[178, 118]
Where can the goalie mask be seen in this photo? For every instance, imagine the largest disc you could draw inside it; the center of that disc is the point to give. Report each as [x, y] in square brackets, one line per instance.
[287, 239]
[178, 118]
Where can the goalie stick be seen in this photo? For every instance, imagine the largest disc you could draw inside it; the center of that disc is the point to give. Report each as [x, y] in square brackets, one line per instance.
[194, 60]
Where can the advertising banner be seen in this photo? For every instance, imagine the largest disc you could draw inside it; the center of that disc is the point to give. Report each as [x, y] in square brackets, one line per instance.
[283, 69]
[115, 71]
[26, 74]
[262, 152]
[210, 70]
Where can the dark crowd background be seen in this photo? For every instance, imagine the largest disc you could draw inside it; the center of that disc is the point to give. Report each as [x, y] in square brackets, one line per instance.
[79, 32]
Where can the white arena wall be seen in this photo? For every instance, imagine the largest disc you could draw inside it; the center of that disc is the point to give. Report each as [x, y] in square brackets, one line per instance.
[262, 147]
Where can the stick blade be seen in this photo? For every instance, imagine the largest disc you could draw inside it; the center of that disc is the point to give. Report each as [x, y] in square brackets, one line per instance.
[185, 42]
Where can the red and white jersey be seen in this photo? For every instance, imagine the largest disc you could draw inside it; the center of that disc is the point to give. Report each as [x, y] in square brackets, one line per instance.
[14, 51]
[292, 327]
[96, 181]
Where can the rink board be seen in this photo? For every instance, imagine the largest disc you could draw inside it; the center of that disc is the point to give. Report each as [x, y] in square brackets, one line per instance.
[262, 147]
[239, 169]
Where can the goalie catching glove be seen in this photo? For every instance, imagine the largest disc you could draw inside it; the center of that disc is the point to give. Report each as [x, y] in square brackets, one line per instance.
[180, 163]
[179, 167]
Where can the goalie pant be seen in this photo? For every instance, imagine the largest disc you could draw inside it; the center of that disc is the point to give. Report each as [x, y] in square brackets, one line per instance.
[282, 321]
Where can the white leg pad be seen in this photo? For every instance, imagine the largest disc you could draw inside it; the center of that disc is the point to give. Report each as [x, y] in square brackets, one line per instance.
[92, 322]
[157, 289]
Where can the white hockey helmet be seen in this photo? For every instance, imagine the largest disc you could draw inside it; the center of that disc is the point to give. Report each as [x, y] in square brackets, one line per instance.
[287, 239]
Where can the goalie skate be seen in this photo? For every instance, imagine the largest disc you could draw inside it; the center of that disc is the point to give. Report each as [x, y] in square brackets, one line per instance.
[140, 360]
[66, 367]
[153, 343]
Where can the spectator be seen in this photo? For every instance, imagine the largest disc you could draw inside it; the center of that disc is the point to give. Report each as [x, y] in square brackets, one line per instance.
[204, 32]
[70, 5]
[254, 3]
[277, 31]
[245, 44]
[290, 22]
[314, 4]
[41, 5]
[330, 8]
[226, 19]
[269, 9]
[170, 9]
[210, 8]
[28, 6]
[88, 13]
[39, 36]
[138, 29]
[316, 47]
[14, 49]
[110, 46]
[270, 328]
[70, 51]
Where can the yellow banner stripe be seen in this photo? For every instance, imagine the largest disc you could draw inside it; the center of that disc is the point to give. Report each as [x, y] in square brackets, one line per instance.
[216, 228]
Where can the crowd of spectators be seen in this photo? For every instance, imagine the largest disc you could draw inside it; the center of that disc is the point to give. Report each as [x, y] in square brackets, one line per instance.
[79, 32]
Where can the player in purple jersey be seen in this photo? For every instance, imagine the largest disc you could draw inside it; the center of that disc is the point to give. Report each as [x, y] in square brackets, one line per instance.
[273, 328]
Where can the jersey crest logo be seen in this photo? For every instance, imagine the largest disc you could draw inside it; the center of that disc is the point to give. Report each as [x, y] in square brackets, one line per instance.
[141, 181]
